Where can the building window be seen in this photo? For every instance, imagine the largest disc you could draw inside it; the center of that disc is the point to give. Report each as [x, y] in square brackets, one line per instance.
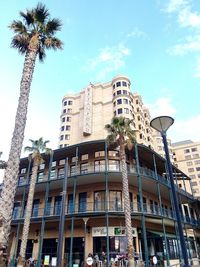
[99, 166]
[53, 164]
[65, 103]
[40, 176]
[67, 137]
[124, 84]
[99, 201]
[69, 111]
[63, 119]
[114, 165]
[192, 176]
[73, 169]
[61, 137]
[84, 168]
[190, 169]
[114, 103]
[68, 127]
[99, 154]
[64, 110]
[118, 84]
[198, 169]
[140, 136]
[113, 86]
[137, 101]
[62, 128]
[114, 95]
[138, 118]
[84, 157]
[119, 111]
[61, 146]
[195, 156]
[42, 166]
[115, 200]
[61, 162]
[68, 118]
[194, 183]
[194, 149]
[125, 101]
[189, 163]
[197, 162]
[186, 151]
[70, 102]
[113, 153]
[188, 157]
[126, 111]
[115, 113]
[125, 92]
[119, 92]
[119, 101]
[198, 175]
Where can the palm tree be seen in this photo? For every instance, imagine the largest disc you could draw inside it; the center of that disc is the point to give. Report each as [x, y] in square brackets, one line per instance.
[3, 163]
[38, 146]
[121, 134]
[32, 36]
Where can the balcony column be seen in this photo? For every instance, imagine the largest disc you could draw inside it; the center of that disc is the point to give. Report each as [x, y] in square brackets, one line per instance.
[43, 219]
[160, 204]
[13, 256]
[139, 181]
[62, 218]
[107, 205]
[73, 209]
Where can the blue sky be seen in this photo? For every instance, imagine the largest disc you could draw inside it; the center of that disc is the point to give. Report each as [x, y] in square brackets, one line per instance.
[156, 43]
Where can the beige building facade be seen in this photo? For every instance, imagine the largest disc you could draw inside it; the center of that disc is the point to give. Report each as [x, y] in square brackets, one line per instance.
[84, 115]
[187, 158]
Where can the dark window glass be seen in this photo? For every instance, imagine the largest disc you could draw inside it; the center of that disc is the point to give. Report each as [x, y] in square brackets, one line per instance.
[83, 202]
[119, 101]
[118, 84]
[124, 84]
[119, 110]
[119, 92]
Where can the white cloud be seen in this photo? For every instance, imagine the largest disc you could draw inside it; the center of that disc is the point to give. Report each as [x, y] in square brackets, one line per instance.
[137, 33]
[162, 106]
[109, 59]
[191, 44]
[184, 129]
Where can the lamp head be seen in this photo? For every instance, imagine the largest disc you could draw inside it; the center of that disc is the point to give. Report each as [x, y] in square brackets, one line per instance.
[162, 123]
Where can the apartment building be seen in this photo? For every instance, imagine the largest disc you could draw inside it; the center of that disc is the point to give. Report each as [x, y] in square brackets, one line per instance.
[94, 208]
[187, 158]
[84, 115]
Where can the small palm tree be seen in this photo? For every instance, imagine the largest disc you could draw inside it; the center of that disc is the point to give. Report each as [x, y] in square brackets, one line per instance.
[3, 163]
[38, 146]
[121, 134]
[34, 34]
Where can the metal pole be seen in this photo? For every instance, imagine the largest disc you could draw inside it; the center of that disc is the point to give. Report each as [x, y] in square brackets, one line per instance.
[107, 206]
[62, 217]
[180, 229]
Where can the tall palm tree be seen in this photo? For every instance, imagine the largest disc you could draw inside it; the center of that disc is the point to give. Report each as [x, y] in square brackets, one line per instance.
[3, 163]
[32, 36]
[38, 146]
[121, 134]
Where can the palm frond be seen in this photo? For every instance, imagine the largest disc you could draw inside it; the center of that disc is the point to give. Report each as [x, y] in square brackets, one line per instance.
[53, 26]
[54, 43]
[28, 17]
[18, 27]
[41, 13]
[20, 42]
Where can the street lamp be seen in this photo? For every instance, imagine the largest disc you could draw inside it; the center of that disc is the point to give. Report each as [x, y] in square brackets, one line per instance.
[162, 124]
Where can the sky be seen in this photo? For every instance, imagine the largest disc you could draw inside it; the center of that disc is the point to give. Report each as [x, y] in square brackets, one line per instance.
[156, 43]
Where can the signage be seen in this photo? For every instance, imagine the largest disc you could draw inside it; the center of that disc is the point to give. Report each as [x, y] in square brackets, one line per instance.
[112, 231]
[46, 259]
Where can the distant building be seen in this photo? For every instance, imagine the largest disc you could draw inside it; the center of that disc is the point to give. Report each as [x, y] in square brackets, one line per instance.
[187, 158]
[85, 114]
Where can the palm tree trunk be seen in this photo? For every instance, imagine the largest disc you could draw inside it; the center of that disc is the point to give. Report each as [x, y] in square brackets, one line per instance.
[11, 172]
[28, 212]
[127, 210]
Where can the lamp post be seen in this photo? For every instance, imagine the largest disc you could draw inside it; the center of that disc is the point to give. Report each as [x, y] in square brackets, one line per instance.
[162, 124]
